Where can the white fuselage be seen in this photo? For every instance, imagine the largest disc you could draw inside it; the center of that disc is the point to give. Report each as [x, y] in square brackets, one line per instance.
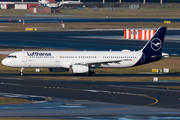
[63, 59]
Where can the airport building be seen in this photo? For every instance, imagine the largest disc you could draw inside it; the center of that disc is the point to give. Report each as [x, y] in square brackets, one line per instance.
[26, 4]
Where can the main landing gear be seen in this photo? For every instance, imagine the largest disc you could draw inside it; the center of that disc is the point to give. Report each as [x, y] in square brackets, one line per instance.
[91, 72]
[21, 72]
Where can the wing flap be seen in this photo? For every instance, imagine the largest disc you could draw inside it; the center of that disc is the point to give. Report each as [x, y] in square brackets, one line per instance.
[101, 62]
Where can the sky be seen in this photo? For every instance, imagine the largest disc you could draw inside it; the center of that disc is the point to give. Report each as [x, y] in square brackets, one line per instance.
[95, 0]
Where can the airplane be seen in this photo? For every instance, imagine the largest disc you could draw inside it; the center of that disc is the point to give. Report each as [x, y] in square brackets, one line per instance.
[79, 62]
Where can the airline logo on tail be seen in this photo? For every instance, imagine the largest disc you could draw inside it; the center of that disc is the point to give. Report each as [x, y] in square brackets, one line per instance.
[156, 44]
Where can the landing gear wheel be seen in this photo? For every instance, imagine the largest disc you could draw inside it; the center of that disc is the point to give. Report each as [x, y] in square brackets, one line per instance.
[92, 73]
[21, 74]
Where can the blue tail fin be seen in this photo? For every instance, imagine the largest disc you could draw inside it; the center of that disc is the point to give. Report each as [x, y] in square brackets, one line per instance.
[152, 50]
[154, 46]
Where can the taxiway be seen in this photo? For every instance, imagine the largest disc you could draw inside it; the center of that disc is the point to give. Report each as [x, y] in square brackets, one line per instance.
[86, 99]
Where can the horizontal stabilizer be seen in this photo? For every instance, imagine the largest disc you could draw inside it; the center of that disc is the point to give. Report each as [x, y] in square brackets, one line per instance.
[164, 55]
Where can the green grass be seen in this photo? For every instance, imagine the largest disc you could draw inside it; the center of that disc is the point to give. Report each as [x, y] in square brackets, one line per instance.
[18, 27]
[124, 13]
[5, 101]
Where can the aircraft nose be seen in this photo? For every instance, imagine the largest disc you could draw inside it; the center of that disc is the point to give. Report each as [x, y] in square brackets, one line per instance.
[4, 62]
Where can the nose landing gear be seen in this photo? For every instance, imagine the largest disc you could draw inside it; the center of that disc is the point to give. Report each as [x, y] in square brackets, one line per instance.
[21, 72]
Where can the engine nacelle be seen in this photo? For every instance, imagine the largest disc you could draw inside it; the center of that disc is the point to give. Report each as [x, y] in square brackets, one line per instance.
[78, 69]
[58, 69]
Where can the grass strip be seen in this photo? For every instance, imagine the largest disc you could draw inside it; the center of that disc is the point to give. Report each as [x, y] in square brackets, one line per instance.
[18, 27]
[120, 12]
[10, 118]
[112, 79]
[6, 101]
[165, 87]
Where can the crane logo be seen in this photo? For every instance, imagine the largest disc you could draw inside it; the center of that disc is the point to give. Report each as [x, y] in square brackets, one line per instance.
[156, 44]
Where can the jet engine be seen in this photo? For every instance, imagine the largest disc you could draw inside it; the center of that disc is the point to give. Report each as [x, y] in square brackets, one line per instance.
[78, 69]
[58, 69]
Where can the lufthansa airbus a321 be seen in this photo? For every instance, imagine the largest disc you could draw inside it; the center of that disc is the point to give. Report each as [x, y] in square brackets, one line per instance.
[79, 62]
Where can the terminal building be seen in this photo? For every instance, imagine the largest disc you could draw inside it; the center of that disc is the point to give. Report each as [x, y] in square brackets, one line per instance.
[39, 6]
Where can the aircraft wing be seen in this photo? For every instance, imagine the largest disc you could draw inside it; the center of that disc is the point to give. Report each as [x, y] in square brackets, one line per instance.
[102, 62]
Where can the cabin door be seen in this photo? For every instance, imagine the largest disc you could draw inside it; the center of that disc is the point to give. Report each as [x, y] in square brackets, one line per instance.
[143, 58]
[57, 57]
[24, 57]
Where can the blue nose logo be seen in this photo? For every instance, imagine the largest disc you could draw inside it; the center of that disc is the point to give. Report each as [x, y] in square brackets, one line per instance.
[156, 44]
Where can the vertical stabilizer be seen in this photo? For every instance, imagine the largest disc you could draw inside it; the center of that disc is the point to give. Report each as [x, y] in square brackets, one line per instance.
[154, 46]
[152, 50]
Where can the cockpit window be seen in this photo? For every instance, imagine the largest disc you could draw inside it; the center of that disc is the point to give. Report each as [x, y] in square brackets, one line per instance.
[12, 56]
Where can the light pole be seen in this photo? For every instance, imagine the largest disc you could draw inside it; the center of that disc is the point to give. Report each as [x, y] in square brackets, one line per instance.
[144, 1]
[120, 1]
[103, 1]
